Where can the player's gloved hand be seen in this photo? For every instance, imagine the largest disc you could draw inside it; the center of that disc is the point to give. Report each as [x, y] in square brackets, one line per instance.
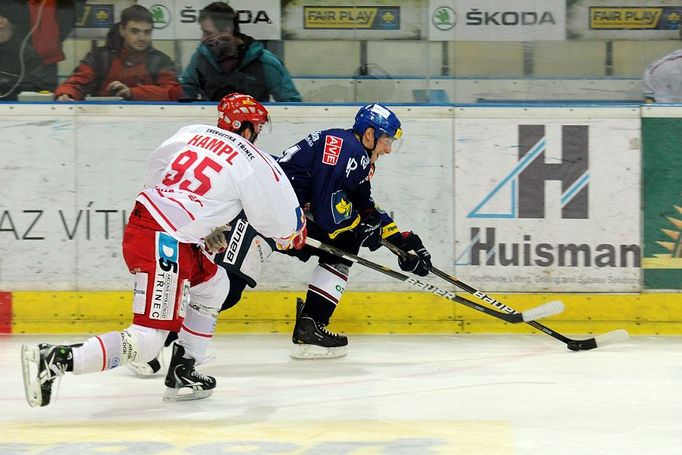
[418, 259]
[215, 241]
[368, 232]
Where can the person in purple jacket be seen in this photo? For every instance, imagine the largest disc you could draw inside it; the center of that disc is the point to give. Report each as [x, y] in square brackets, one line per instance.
[330, 172]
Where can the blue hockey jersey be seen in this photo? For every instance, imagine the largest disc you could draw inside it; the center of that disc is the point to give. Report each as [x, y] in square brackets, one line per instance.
[330, 172]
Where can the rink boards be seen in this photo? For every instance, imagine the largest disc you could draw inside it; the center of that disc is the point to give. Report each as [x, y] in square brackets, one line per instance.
[382, 312]
[519, 201]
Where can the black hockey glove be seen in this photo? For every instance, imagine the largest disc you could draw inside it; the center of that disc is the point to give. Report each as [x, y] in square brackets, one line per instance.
[418, 262]
[368, 232]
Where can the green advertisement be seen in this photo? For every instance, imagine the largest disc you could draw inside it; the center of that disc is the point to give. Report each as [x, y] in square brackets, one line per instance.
[662, 202]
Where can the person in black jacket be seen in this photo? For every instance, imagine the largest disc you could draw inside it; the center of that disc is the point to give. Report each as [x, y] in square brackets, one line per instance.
[49, 23]
[21, 69]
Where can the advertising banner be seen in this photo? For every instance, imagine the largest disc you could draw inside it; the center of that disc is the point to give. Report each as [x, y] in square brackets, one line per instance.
[362, 19]
[496, 20]
[662, 198]
[178, 19]
[96, 20]
[624, 19]
[351, 17]
[548, 200]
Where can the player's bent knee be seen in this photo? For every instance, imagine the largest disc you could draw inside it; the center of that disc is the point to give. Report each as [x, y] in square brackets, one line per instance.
[208, 297]
[141, 344]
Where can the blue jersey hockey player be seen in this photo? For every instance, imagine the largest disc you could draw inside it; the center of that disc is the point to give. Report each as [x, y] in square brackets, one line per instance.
[331, 172]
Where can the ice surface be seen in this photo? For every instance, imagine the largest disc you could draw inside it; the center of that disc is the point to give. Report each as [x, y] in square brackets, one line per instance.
[393, 394]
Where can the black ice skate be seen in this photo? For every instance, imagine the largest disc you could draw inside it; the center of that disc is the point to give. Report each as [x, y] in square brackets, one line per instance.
[312, 340]
[183, 382]
[49, 362]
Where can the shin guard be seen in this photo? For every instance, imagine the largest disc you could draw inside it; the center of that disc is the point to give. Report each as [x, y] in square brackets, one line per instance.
[325, 291]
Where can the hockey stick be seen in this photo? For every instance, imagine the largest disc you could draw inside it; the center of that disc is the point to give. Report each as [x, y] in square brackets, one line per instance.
[547, 309]
[615, 336]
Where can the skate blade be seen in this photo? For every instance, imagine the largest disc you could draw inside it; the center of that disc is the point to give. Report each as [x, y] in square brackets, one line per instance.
[185, 394]
[311, 351]
[30, 355]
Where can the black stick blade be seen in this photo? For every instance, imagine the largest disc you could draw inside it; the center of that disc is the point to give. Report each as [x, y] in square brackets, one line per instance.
[615, 336]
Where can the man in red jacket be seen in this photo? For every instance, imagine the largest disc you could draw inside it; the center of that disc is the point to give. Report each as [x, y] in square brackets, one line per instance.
[128, 66]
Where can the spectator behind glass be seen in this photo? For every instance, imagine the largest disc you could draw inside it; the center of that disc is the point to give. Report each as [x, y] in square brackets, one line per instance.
[20, 66]
[128, 66]
[663, 79]
[228, 61]
[50, 22]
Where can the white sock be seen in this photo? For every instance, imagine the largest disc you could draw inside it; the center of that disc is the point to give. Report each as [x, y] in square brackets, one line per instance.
[113, 349]
[196, 332]
[98, 353]
[202, 314]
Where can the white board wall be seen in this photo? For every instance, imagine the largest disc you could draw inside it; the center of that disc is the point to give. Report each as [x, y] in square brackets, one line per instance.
[71, 174]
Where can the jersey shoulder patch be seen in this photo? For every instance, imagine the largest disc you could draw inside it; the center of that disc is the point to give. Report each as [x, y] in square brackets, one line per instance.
[332, 150]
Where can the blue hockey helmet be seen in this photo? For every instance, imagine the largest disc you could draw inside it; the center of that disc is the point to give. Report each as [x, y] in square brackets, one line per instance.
[381, 118]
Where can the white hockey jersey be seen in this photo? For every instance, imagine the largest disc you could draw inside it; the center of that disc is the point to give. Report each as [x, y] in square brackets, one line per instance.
[204, 176]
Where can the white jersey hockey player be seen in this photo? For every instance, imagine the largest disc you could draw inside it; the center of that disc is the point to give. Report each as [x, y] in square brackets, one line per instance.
[204, 176]
[199, 179]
